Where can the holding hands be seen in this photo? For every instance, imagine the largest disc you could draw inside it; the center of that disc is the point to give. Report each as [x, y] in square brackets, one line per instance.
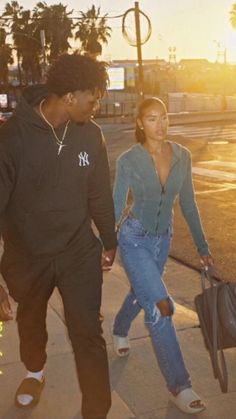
[108, 257]
[5, 307]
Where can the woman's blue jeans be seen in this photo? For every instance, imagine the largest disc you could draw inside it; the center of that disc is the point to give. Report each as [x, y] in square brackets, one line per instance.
[144, 256]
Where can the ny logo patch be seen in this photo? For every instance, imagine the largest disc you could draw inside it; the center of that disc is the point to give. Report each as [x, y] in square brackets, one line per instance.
[83, 158]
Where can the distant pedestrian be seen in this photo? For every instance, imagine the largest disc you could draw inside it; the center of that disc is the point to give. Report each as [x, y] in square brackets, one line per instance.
[54, 180]
[155, 171]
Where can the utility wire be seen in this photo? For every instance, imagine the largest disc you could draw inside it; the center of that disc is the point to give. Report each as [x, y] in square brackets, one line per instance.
[70, 17]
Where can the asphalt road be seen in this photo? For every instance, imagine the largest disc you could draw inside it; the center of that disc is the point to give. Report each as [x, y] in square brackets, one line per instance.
[213, 148]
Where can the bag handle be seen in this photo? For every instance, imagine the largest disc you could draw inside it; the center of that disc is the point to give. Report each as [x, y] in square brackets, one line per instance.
[205, 276]
[218, 363]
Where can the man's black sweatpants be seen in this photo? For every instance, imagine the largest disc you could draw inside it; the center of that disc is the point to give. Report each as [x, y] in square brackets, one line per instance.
[77, 275]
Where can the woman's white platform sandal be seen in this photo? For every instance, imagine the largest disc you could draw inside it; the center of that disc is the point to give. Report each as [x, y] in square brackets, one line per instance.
[184, 399]
[121, 345]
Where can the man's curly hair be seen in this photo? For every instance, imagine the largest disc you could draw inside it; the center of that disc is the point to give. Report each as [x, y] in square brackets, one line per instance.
[71, 72]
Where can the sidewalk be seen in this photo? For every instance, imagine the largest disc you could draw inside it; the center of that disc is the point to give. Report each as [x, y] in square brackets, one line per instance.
[138, 389]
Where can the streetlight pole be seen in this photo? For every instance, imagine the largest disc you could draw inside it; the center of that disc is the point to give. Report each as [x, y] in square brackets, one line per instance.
[172, 55]
[43, 43]
[172, 62]
[222, 55]
[139, 50]
[137, 42]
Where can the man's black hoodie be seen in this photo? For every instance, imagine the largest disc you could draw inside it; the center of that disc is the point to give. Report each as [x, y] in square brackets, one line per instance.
[47, 200]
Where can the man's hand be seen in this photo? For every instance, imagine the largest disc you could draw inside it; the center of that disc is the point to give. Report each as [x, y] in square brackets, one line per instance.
[108, 257]
[207, 261]
[5, 307]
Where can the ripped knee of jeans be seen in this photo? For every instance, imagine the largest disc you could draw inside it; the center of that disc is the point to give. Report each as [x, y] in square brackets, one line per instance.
[152, 316]
[153, 313]
[166, 307]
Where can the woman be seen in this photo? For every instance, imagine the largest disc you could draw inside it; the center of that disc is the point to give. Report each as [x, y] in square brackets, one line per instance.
[155, 171]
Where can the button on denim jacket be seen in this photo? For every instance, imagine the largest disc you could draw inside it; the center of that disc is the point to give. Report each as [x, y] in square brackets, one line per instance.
[152, 202]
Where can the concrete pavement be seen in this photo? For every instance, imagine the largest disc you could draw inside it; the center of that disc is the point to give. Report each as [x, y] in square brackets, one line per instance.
[138, 389]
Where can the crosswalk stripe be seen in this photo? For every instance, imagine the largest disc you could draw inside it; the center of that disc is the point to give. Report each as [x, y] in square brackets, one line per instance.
[193, 134]
[207, 191]
[203, 133]
[182, 128]
[201, 128]
[208, 137]
[210, 187]
[230, 164]
[217, 174]
[211, 133]
[195, 130]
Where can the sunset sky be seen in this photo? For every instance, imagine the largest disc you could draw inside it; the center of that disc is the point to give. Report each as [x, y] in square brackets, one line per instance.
[194, 27]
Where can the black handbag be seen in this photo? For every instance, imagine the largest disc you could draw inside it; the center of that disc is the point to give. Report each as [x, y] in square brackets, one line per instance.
[216, 309]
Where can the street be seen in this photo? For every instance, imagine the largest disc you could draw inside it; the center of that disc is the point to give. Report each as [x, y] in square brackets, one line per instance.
[213, 147]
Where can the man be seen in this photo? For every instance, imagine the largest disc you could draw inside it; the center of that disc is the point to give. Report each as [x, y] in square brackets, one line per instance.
[54, 179]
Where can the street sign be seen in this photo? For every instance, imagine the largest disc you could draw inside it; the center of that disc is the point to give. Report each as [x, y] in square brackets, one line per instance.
[117, 78]
[3, 100]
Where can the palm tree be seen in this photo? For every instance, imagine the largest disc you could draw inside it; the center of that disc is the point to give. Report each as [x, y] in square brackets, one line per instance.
[30, 48]
[26, 40]
[11, 16]
[233, 16]
[5, 57]
[57, 25]
[93, 31]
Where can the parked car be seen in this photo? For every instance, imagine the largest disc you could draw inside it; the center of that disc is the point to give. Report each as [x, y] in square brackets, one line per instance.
[4, 116]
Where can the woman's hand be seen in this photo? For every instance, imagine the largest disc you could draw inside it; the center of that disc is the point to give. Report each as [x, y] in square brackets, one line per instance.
[5, 307]
[207, 261]
[108, 257]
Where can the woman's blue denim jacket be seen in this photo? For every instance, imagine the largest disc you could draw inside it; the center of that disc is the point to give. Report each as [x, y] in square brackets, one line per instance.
[152, 202]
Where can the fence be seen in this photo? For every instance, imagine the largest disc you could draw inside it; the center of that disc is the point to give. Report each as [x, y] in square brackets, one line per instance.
[123, 105]
[186, 102]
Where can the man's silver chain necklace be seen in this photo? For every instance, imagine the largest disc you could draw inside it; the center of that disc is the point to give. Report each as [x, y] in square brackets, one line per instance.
[58, 141]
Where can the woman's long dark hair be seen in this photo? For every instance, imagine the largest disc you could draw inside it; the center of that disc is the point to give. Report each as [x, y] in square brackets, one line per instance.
[146, 103]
